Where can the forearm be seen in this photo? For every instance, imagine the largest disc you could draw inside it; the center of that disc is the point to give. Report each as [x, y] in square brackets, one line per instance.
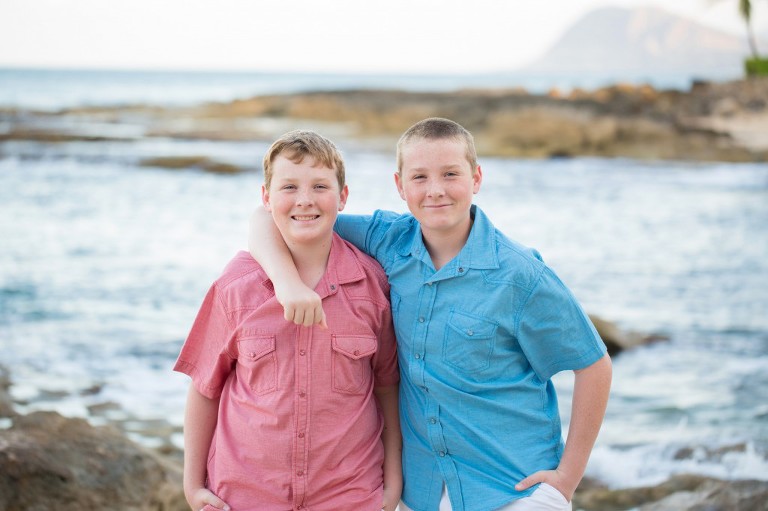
[590, 399]
[268, 248]
[391, 437]
[200, 419]
[301, 304]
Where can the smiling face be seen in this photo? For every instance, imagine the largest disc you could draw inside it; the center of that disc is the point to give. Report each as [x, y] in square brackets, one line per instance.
[304, 199]
[437, 182]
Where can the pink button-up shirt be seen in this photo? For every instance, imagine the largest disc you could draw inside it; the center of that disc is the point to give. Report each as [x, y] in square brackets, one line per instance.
[298, 426]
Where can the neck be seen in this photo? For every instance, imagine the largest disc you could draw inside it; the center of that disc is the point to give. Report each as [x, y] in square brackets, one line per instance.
[311, 261]
[444, 246]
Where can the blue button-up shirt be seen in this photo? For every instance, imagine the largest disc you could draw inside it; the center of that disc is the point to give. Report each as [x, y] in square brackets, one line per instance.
[478, 341]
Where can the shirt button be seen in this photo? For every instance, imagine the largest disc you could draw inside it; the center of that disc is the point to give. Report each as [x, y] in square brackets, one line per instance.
[421, 319]
[429, 283]
[301, 435]
[252, 354]
[302, 394]
[433, 421]
[302, 352]
[442, 454]
[300, 473]
[357, 352]
[470, 333]
[333, 287]
[417, 355]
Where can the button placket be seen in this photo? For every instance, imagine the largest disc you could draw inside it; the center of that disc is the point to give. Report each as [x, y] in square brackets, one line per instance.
[304, 338]
[425, 306]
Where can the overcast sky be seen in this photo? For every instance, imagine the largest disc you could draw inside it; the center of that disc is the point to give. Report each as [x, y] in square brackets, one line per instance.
[308, 35]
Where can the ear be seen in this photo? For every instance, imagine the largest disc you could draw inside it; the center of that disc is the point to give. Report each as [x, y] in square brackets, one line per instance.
[399, 184]
[477, 179]
[265, 198]
[343, 197]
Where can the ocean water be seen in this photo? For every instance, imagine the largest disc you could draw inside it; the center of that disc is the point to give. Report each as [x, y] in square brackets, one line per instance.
[53, 89]
[103, 265]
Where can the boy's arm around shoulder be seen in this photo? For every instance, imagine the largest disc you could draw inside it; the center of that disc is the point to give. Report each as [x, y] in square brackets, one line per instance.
[592, 386]
[301, 305]
[387, 397]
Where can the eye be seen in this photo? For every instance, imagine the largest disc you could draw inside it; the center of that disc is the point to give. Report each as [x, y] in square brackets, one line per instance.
[321, 187]
[418, 177]
[288, 187]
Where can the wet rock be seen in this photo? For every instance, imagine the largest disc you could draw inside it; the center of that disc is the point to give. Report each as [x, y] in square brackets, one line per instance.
[711, 122]
[679, 493]
[618, 340]
[192, 162]
[6, 404]
[51, 462]
[708, 454]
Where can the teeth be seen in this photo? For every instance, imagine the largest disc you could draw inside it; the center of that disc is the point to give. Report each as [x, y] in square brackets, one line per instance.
[305, 217]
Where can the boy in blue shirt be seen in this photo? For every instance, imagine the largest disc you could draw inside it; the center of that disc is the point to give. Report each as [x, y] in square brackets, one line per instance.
[482, 325]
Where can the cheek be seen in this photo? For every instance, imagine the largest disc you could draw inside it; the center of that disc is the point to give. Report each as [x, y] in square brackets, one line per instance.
[410, 193]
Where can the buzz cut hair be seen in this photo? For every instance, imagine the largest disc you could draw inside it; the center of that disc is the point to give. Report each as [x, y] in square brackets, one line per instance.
[437, 128]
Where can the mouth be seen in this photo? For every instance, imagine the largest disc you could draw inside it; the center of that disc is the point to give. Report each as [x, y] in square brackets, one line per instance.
[305, 218]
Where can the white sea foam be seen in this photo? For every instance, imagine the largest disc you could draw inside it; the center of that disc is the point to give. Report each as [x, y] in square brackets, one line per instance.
[652, 464]
[104, 264]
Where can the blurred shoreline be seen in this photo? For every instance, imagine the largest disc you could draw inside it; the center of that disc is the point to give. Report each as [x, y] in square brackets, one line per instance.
[712, 121]
[48, 460]
[94, 318]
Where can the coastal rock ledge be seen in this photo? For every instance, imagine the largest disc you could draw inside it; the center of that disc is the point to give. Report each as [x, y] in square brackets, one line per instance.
[713, 121]
[50, 462]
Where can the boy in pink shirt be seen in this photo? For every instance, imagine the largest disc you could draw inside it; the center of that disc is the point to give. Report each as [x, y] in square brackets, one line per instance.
[284, 417]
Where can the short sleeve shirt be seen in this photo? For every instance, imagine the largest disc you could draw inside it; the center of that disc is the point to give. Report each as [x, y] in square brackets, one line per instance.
[478, 342]
[298, 425]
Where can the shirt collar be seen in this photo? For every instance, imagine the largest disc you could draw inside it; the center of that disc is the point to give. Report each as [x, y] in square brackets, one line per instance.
[479, 251]
[343, 267]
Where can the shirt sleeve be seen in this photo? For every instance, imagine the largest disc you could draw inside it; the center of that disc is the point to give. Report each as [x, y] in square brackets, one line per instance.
[204, 356]
[553, 330]
[385, 368]
[354, 229]
[369, 233]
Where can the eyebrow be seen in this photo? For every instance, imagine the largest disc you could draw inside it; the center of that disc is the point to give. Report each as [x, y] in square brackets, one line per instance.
[453, 166]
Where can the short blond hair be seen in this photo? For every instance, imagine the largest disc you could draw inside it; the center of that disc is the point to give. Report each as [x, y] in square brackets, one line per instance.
[437, 128]
[299, 144]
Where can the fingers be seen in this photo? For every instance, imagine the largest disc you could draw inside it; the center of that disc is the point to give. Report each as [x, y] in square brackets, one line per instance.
[529, 481]
[309, 318]
[213, 500]
[288, 313]
[323, 323]
[205, 497]
[305, 314]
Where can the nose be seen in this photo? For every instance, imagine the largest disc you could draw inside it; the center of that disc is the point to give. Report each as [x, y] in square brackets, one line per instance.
[435, 188]
[304, 198]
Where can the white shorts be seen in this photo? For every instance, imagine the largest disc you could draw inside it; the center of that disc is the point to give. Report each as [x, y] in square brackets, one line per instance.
[544, 498]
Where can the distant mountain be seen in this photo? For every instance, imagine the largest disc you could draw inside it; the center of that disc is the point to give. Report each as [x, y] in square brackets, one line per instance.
[645, 40]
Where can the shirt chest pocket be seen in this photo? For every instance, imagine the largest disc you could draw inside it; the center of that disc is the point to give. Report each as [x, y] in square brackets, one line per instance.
[257, 363]
[351, 364]
[469, 341]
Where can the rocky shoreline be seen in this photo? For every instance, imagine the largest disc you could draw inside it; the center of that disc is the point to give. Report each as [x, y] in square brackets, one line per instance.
[725, 121]
[113, 460]
[48, 461]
